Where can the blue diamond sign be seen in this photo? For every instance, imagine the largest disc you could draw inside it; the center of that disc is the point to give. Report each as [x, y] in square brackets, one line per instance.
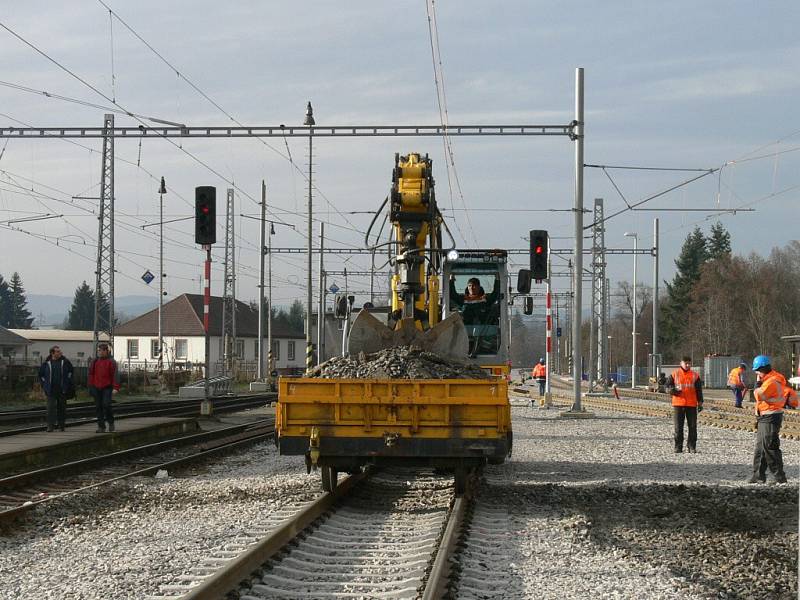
[148, 277]
[333, 289]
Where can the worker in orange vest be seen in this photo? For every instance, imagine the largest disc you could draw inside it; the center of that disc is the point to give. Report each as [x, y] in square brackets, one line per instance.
[686, 388]
[772, 394]
[736, 383]
[540, 375]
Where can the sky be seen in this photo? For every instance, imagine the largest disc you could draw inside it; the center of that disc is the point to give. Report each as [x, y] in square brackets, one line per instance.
[680, 85]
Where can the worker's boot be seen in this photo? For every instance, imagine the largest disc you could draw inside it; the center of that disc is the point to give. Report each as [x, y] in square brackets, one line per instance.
[780, 477]
[756, 478]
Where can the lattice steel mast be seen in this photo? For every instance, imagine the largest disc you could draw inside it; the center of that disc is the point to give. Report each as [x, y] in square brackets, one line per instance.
[104, 283]
[229, 294]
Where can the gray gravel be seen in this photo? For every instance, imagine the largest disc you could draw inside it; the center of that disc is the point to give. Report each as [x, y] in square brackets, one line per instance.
[598, 508]
[402, 362]
[603, 508]
[130, 540]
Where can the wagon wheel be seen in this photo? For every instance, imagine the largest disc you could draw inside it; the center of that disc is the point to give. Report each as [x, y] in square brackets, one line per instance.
[329, 478]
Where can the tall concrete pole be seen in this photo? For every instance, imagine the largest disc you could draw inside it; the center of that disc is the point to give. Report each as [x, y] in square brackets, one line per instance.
[578, 272]
[321, 308]
[161, 191]
[309, 121]
[633, 322]
[260, 370]
[655, 295]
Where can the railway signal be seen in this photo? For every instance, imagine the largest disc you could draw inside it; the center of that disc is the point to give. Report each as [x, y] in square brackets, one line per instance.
[540, 244]
[205, 215]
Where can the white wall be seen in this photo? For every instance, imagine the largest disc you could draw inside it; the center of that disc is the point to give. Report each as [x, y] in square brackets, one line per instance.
[74, 351]
[196, 350]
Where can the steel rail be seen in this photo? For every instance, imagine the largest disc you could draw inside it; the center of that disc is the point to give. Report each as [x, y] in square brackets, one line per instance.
[240, 568]
[10, 515]
[190, 408]
[439, 576]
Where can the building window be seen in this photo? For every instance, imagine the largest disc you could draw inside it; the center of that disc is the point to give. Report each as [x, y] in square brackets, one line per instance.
[255, 348]
[239, 349]
[80, 354]
[276, 350]
[181, 349]
[290, 351]
[133, 348]
[154, 348]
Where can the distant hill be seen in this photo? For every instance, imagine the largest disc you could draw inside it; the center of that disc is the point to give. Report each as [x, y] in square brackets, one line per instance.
[51, 310]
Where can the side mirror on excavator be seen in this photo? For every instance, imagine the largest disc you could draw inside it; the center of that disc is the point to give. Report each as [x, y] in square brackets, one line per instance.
[524, 281]
[527, 307]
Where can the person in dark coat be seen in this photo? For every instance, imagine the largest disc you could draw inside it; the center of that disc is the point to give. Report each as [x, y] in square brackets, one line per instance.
[56, 375]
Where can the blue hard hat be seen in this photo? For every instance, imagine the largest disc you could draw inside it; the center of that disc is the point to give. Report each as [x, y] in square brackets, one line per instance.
[762, 360]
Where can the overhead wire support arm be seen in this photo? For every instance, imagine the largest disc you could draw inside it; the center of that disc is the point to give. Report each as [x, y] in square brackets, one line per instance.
[284, 132]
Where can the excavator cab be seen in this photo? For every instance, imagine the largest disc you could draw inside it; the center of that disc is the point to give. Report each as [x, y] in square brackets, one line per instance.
[482, 307]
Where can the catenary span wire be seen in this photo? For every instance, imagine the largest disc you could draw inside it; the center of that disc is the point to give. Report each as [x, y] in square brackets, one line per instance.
[180, 75]
[142, 123]
[446, 124]
[134, 229]
[430, 12]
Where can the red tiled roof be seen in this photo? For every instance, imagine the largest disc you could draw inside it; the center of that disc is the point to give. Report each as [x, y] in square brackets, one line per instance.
[184, 316]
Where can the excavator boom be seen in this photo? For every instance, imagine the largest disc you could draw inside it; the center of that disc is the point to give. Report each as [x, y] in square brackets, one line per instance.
[416, 315]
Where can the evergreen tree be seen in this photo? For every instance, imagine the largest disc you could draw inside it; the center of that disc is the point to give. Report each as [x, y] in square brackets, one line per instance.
[694, 254]
[5, 303]
[19, 317]
[296, 317]
[719, 242]
[81, 313]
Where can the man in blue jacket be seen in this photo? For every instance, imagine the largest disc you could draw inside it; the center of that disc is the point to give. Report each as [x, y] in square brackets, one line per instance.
[56, 376]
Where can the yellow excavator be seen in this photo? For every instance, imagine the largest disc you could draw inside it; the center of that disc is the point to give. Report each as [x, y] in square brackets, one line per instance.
[342, 425]
[418, 255]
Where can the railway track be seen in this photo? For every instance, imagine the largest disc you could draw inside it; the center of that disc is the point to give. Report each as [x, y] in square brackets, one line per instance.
[123, 410]
[385, 534]
[717, 412]
[724, 418]
[26, 491]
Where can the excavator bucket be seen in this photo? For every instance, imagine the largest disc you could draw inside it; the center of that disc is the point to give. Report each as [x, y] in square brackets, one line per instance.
[447, 339]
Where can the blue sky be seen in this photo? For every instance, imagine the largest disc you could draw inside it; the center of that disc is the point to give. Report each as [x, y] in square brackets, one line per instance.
[681, 84]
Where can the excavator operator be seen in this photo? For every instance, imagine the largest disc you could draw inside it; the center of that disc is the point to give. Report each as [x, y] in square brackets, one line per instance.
[474, 303]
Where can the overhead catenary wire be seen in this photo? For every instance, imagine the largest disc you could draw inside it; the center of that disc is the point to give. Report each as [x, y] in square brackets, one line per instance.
[195, 87]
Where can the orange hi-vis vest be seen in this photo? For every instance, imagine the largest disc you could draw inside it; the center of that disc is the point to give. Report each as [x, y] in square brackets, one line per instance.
[539, 371]
[684, 385]
[773, 393]
[735, 377]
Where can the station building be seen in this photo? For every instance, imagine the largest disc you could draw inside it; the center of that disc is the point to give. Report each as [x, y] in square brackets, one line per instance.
[136, 341]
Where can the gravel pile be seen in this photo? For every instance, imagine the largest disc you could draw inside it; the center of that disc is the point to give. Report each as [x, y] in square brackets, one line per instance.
[402, 362]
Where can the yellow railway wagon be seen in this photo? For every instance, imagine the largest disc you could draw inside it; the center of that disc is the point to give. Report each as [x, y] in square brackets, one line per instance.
[340, 425]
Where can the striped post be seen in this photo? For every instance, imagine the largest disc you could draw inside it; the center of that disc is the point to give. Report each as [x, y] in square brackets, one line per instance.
[548, 348]
[309, 356]
[206, 408]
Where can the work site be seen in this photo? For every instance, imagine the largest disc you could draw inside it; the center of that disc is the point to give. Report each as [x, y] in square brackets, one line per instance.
[419, 301]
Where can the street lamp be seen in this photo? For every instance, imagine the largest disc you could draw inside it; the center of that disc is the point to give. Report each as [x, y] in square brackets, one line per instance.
[633, 317]
[162, 189]
[309, 122]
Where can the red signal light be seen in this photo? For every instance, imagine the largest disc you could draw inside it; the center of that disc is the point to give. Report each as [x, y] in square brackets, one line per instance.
[204, 209]
[539, 249]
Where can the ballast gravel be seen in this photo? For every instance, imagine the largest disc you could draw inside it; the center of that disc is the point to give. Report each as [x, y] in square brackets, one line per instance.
[401, 362]
[130, 539]
[603, 508]
[596, 508]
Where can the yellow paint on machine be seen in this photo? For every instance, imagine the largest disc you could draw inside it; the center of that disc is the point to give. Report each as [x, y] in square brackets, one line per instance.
[417, 408]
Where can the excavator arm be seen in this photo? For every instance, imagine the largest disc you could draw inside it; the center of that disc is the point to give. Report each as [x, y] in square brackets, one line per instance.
[417, 227]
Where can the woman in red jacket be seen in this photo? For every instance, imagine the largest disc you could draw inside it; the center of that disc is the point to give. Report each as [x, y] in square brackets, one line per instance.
[103, 384]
